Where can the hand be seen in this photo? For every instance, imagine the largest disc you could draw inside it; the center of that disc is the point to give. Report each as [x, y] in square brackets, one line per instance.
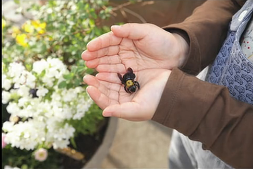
[139, 46]
[149, 51]
[109, 94]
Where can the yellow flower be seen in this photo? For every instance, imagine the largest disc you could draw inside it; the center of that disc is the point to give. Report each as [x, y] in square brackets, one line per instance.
[15, 31]
[41, 31]
[37, 24]
[43, 25]
[28, 27]
[40, 27]
[3, 23]
[21, 40]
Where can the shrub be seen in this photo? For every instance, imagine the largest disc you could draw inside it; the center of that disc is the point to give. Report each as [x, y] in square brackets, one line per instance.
[44, 102]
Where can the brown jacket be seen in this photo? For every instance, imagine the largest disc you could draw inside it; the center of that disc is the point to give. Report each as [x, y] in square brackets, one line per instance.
[202, 111]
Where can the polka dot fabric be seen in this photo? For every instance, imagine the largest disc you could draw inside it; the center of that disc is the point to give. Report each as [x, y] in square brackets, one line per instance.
[247, 41]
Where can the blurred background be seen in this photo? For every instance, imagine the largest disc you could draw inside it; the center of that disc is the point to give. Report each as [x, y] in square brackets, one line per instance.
[137, 144]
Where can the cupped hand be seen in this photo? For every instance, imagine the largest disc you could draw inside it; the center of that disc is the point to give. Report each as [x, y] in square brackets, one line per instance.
[149, 50]
[109, 94]
[139, 46]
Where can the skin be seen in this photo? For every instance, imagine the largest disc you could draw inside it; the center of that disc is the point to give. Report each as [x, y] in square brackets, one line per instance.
[150, 51]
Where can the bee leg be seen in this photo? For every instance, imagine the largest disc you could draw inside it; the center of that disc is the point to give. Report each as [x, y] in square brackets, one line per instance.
[137, 84]
[126, 90]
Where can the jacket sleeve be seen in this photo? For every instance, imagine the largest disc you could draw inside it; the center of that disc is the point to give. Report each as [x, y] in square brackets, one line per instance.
[205, 112]
[206, 30]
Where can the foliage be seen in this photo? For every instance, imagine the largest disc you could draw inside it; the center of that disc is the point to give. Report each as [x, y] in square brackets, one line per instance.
[44, 103]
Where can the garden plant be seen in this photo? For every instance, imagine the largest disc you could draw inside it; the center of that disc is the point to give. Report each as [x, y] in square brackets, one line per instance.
[45, 107]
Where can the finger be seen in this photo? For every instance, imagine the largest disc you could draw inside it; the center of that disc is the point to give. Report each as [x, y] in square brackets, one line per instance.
[116, 68]
[111, 90]
[128, 110]
[105, 40]
[133, 31]
[112, 87]
[107, 51]
[109, 77]
[98, 97]
[91, 80]
[109, 60]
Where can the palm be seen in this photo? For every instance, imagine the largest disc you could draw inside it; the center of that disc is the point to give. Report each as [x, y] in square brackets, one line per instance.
[107, 91]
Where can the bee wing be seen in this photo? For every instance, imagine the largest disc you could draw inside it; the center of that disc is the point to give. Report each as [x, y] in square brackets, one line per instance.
[120, 77]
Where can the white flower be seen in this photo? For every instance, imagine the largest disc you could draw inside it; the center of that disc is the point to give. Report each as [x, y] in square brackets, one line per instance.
[68, 95]
[41, 154]
[54, 72]
[25, 78]
[15, 70]
[57, 63]
[23, 91]
[39, 66]
[79, 90]
[30, 80]
[41, 91]
[9, 167]
[48, 80]
[78, 115]
[25, 135]
[60, 144]
[5, 97]
[19, 81]
[81, 108]
[6, 83]
[7, 126]
[13, 108]
[23, 101]
[56, 96]
[48, 124]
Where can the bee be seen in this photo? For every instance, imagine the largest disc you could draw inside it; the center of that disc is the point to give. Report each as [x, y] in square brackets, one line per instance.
[127, 80]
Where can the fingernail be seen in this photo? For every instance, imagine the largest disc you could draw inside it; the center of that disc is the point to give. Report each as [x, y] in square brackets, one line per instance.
[115, 26]
[107, 114]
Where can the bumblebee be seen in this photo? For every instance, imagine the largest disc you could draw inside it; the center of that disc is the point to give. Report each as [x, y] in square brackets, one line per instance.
[127, 80]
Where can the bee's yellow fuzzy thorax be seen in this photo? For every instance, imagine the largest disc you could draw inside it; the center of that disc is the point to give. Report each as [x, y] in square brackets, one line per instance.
[129, 83]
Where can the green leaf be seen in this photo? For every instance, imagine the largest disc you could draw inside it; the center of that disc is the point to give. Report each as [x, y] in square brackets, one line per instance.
[72, 140]
[63, 84]
[68, 76]
[17, 1]
[77, 82]
[24, 166]
[80, 69]
[69, 85]
[42, 73]
[28, 67]
[89, 71]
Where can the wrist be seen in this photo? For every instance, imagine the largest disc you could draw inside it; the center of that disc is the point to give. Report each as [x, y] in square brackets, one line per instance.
[183, 46]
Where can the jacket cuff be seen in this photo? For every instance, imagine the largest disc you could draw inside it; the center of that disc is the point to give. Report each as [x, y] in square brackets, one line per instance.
[191, 64]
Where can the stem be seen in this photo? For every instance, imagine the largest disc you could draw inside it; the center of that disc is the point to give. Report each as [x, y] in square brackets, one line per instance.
[72, 153]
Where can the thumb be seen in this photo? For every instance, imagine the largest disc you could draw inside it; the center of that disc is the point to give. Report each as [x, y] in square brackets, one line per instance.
[130, 30]
[129, 111]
